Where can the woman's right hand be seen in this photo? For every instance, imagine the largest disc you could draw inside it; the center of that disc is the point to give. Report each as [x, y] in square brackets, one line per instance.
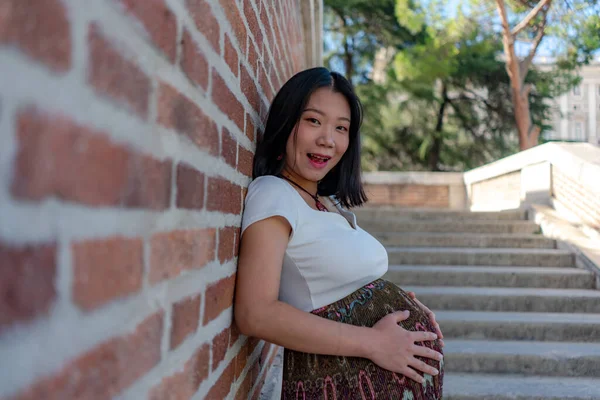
[394, 348]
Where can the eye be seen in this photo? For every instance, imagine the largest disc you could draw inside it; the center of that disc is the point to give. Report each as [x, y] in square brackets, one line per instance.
[342, 128]
[313, 121]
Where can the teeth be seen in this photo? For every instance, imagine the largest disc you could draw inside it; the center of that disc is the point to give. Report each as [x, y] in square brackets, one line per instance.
[318, 157]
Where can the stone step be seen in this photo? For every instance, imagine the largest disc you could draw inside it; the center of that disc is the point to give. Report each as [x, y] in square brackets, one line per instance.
[477, 256]
[516, 387]
[457, 227]
[522, 357]
[508, 299]
[367, 213]
[411, 239]
[479, 325]
[425, 275]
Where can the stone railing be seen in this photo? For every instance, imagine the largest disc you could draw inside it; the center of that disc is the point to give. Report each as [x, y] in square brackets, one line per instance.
[565, 176]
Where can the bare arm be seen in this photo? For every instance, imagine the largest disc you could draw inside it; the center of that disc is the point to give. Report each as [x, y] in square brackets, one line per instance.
[259, 313]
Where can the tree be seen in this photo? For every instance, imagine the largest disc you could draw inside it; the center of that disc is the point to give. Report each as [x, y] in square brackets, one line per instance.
[446, 103]
[355, 30]
[566, 19]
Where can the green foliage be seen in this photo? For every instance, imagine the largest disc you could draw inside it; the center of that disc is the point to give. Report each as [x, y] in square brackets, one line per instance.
[445, 100]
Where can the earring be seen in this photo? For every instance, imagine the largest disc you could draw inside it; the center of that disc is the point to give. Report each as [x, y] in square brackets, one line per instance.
[280, 157]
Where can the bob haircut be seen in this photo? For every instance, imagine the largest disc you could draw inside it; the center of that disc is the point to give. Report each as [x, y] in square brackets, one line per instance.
[344, 180]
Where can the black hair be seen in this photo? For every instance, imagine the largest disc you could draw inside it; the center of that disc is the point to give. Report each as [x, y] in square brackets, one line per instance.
[344, 180]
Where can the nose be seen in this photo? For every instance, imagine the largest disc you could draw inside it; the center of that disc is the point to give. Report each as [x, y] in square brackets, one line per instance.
[326, 137]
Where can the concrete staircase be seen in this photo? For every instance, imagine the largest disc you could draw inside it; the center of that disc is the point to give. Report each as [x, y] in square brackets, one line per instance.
[520, 320]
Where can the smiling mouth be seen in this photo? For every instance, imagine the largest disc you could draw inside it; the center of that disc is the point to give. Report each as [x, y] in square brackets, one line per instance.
[318, 158]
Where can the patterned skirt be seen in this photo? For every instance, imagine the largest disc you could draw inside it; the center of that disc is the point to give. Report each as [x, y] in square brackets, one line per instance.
[322, 377]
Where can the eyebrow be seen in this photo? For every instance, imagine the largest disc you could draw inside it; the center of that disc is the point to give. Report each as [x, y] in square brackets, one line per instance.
[323, 114]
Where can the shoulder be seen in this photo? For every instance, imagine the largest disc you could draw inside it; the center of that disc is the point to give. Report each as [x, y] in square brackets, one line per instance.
[268, 196]
[268, 185]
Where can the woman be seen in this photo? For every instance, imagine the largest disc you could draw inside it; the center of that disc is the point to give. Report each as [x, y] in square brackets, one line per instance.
[308, 277]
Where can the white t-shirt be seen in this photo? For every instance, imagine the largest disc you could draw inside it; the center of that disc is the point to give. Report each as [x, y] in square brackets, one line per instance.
[328, 256]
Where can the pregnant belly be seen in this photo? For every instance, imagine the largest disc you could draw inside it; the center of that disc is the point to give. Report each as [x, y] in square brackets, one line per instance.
[312, 376]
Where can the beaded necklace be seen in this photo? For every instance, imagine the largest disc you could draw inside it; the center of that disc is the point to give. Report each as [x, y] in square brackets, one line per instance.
[319, 205]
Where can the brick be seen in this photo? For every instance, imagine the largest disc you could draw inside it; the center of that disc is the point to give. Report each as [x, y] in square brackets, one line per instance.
[273, 77]
[223, 196]
[243, 391]
[205, 21]
[264, 354]
[252, 343]
[227, 101]
[40, 29]
[258, 386]
[219, 348]
[264, 110]
[105, 270]
[231, 56]
[159, 23]
[226, 243]
[254, 372]
[218, 298]
[265, 22]
[175, 111]
[221, 388]
[149, 183]
[183, 385]
[236, 243]
[190, 187]
[241, 360]
[253, 23]
[252, 56]
[234, 334]
[249, 89]
[229, 148]
[264, 82]
[27, 275]
[235, 20]
[104, 371]
[177, 251]
[245, 161]
[184, 319]
[58, 157]
[193, 61]
[250, 130]
[115, 76]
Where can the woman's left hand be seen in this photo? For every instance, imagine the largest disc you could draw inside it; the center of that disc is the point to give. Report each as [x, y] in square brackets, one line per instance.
[431, 317]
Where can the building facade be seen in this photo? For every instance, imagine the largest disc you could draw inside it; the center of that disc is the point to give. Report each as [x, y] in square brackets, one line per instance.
[576, 114]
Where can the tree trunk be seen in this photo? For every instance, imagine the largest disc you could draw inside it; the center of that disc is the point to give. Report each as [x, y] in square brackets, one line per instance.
[528, 134]
[433, 158]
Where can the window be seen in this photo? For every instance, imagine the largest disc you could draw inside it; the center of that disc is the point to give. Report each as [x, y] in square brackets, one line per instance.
[577, 90]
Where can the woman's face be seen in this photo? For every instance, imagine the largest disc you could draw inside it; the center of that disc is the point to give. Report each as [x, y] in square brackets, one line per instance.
[322, 139]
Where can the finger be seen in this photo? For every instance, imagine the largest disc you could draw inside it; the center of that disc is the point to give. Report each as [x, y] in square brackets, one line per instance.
[442, 344]
[423, 336]
[412, 295]
[400, 316]
[426, 352]
[412, 374]
[424, 308]
[438, 331]
[423, 367]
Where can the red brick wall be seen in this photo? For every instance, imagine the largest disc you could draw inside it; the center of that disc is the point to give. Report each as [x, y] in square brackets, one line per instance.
[127, 130]
[408, 195]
